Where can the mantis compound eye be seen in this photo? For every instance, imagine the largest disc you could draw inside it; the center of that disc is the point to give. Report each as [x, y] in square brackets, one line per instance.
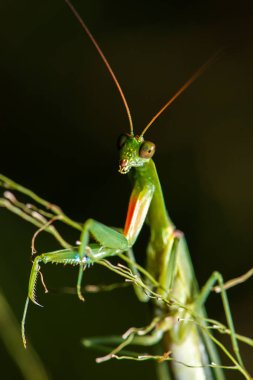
[147, 149]
[121, 140]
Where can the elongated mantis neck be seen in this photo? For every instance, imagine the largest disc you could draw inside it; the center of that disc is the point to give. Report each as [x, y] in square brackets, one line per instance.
[158, 217]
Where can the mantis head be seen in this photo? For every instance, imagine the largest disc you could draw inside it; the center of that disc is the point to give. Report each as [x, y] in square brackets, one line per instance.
[134, 152]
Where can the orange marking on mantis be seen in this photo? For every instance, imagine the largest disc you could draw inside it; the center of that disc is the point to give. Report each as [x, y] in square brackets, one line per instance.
[130, 212]
[137, 211]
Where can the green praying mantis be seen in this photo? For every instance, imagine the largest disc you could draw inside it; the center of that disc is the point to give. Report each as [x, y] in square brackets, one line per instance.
[179, 323]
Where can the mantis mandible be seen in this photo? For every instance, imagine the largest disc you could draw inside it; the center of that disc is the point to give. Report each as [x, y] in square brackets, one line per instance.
[179, 317]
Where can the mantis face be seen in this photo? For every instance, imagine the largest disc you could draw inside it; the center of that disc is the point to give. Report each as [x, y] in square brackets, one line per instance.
[134, 151]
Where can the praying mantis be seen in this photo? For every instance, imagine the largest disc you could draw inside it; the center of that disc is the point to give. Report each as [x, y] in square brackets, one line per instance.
[170, 280]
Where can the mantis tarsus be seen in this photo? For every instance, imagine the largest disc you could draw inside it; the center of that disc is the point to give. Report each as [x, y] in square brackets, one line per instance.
[174, 287]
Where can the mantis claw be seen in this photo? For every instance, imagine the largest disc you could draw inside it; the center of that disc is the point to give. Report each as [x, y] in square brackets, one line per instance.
[79, 281]
[33, 281]
[35, 302]
[79, 294]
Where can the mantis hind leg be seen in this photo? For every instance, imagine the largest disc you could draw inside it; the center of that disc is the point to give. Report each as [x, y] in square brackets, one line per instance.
[147, 336]
[176, 257]
[216, 277]
[166, 278]
[140, 293]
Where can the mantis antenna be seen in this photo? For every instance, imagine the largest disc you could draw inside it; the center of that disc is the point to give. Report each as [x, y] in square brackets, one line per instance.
[181, 90]
[115, 80]
[170, 101]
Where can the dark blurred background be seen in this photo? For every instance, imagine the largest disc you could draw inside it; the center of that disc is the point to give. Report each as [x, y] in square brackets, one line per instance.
[60, 116]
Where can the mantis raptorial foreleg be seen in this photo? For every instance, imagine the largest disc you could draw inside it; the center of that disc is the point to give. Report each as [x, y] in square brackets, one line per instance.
[111, 242]
[64, 256]
[105, 236]
[112, 238]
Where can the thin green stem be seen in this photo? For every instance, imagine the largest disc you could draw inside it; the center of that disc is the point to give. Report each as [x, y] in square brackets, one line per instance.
[228, 354]
[7, 183]
[216, 325]
[140, 269]
[35, 220]
[28, 361]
